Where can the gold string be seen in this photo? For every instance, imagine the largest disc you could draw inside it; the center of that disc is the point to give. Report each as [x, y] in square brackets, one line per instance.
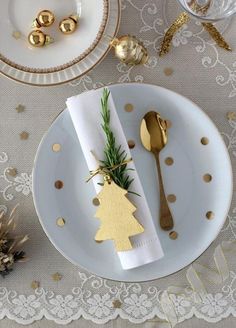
[105, 170]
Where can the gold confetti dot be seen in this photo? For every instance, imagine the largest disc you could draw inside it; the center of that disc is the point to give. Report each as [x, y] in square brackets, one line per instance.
[168, 71]
[58, 184]
[129, 108]
[204, 141]
[171, 198]
[20, 108]
[96, 201]
[24, 135]
[56, 276]
[56, 147]
[35, 284]
[168, 124]
[16, 35]
[231, 116]
[116, 304]
[12, 172]
[210, 215]
[169, 161]
[61, 222]
[131, 144]
[173, 235]
[207, 177]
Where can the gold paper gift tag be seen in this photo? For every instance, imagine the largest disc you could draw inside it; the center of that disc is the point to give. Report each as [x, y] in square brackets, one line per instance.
[116, 215]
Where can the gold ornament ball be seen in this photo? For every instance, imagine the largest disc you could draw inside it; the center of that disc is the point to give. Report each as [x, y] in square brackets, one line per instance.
[38, 39]
[44, 19]
[129, 50]
[68, 25]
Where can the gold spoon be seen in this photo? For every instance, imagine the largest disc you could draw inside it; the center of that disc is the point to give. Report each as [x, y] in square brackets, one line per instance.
[153, 132]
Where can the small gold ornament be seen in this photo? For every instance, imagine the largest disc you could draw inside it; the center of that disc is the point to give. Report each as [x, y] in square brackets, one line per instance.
[116, 215]
[44, 19]
[38, 39]
[129, 50]
[68, 25]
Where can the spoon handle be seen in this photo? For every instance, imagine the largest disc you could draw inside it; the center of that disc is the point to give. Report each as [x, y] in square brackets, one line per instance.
[166, 220]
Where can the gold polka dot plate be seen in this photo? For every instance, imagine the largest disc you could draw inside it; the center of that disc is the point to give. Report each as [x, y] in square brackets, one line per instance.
[199, 208]
[68, 57]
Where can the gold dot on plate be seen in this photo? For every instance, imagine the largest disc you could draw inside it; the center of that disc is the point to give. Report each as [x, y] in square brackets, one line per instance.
[129, 108]
[168, 71]
[204, 141]
[16, 35]
[169, 161]
[207, 177]
[61, 222]
[96, 201]
[210, 215]
[58, 184]
[168, 124]
[131, 144]
[56, 147]
[173, 235]
[171, 198]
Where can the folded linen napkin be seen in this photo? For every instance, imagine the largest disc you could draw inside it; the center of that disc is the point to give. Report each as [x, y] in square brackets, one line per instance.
[85, 112]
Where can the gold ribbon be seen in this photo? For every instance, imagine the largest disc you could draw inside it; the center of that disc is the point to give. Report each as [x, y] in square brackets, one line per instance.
[179, 22]
[106, 170]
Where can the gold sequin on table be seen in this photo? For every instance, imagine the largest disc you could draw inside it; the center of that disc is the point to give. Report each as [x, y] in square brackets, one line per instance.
[168, 71]
[210, 215]
[116, 304]
[24, 135]
[61, 222]
[173, 235]
[16, 35]
[129, 108]
[231, 116]
[35, 284]
[56, 147]
[207, 177]
[12, 172]
[204, 141]
[131, 144]
[20, 109]
[58, 184]
[96, 201]
[56, 276]
[169, 161]
[171, 198]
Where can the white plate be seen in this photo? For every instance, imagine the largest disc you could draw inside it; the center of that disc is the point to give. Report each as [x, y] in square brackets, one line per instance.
[70, 56]
[195, 197]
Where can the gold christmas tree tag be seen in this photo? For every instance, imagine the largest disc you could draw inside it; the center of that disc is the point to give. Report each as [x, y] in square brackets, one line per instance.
[116, 215]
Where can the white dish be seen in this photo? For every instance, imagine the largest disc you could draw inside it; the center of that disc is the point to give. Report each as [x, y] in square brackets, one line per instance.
[195, 197]
[70, 56]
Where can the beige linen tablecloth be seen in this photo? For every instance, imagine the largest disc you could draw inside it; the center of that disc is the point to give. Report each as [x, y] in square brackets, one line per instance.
[196, 68]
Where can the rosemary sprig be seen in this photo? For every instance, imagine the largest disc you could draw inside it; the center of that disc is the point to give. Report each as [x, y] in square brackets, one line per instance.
[113, 154]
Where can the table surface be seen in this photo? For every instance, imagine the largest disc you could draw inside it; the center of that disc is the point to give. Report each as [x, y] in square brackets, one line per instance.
[196, 68]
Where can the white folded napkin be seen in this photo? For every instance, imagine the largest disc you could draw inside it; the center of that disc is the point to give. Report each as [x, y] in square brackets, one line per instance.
[85, 112]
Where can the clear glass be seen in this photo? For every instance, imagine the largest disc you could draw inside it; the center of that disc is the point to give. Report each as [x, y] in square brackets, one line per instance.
[209, 10]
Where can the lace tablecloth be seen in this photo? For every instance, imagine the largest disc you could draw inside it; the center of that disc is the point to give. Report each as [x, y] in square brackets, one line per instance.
[196, 68]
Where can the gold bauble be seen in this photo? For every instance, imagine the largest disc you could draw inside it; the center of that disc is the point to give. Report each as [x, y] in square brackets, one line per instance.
[44, 19]
[68, 25]
[129, 50]
[38, 39]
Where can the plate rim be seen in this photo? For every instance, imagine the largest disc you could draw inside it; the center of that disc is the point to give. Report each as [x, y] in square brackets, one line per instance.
[138, 280]
[76, 76]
